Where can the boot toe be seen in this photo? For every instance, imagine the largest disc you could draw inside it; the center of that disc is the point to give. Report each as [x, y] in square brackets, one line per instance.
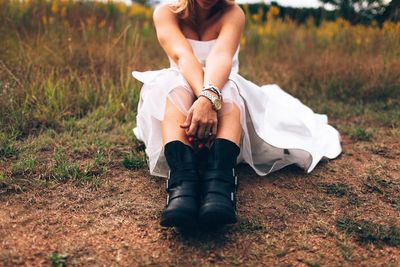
[216, 214]
[178, 218]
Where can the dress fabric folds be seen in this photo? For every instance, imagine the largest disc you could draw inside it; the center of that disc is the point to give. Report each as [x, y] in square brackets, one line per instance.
[277, 129]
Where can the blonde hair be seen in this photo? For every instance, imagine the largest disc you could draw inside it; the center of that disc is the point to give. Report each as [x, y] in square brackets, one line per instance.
[185, 8]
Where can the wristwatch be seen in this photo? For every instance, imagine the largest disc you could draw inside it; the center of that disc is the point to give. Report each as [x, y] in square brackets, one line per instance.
[213, 89]
[216, 101]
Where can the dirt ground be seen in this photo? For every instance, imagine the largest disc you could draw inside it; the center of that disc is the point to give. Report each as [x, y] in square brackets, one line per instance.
[345, 213]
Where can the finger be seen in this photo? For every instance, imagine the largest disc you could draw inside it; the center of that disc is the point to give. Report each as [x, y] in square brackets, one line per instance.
[201, 130]
[208, 130]
[192, 129]
[215, 129]
[188, 120]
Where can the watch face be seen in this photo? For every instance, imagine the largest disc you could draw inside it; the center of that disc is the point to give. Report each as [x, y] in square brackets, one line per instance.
[217, 104]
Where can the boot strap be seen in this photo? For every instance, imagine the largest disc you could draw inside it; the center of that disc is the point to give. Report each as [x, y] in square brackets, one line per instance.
[227, 176]
[176, 178]
[220, 188]
[184, 190]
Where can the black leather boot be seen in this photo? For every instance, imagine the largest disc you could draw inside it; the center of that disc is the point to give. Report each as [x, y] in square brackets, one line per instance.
[218, 185]
[182, 186]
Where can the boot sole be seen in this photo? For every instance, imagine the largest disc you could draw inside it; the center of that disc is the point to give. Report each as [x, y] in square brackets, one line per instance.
[178, 219]
[216, 215]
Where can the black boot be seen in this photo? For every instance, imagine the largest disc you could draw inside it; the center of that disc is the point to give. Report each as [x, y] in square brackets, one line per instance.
[219, 184]
[182, 186]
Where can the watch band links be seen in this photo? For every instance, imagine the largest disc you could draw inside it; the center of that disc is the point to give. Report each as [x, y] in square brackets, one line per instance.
[212, 99]
[213, 89]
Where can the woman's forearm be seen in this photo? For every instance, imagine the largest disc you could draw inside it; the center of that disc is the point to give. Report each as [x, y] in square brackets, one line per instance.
[218, 68]
[192, 71]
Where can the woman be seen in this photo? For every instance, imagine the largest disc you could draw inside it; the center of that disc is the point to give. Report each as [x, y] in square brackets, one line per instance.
[201, 99]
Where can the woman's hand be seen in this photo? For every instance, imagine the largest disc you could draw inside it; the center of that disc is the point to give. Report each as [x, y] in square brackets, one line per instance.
[201, 120]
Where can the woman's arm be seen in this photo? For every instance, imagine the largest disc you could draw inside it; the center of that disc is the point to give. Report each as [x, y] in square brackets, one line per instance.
[217, 70]
[179, 50]
[219, 61]
[177, 47]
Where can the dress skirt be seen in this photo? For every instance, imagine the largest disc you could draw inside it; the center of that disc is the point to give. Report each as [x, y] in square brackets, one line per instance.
[277, 129]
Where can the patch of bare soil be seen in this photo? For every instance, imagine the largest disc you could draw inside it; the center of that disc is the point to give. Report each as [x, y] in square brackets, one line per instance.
[285, 219]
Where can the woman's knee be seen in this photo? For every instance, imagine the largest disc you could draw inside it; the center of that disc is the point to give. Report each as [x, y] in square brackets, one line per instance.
[180, 99]
[170, 125]
[229, 126]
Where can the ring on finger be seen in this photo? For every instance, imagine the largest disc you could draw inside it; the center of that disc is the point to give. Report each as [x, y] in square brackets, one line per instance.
[206, 134]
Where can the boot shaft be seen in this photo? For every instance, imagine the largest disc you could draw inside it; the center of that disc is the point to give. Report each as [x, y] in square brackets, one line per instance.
[223, 154]
[179, 156]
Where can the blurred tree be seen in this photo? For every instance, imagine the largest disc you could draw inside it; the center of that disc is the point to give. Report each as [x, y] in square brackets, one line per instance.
[358, 10]
[145, 2]
[392, 11]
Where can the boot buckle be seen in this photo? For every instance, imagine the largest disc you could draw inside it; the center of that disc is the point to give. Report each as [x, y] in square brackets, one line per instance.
[233, 199]
[236, 178]
[167, 183]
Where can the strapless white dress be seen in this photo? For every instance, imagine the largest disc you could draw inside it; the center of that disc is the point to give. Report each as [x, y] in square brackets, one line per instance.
[277, 129]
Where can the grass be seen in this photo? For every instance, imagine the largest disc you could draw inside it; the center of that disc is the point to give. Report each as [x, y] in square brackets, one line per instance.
[2, 177]
[367, 232]
[383, 151]
[25, 166]
[345, 251]
[338, 190]
[133, 161]
[386, 187]
[251, 226]
[58, 259]
[55, 68]
[65, 169]
[360, 134]
[309, 262]
[7, 149]
[357, 130]
[81, 151]
[341, 190]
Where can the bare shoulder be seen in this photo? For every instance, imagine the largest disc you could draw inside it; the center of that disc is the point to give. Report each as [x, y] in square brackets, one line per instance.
[163, 13]
[234, 14]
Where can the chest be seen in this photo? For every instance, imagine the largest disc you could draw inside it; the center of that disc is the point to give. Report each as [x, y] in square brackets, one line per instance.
[205, 31]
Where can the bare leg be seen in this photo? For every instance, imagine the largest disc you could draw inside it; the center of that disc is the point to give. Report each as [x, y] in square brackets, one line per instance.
[170, 126]
[229, 126]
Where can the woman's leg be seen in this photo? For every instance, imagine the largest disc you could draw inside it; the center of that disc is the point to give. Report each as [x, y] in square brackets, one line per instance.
[229, 125]
[219, 180]
[183, 181]
[170, 126]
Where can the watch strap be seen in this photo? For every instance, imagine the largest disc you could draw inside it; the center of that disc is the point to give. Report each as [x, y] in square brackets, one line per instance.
[214, 89]
[210, 97]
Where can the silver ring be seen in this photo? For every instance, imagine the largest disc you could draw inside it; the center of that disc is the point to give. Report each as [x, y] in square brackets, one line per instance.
[210, 134]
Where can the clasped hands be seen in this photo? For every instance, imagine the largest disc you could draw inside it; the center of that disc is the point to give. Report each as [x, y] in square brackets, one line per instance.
[201, 123]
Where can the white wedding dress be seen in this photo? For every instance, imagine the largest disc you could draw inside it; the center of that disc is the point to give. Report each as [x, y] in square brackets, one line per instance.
[277, 129]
